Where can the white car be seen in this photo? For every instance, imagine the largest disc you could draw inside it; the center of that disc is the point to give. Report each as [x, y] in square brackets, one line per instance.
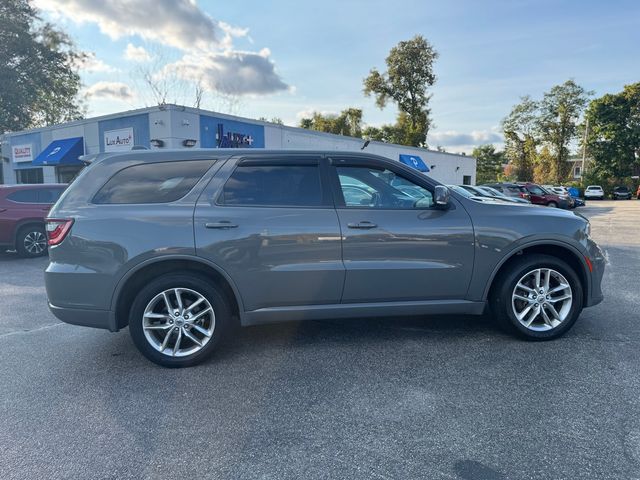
[594, 191]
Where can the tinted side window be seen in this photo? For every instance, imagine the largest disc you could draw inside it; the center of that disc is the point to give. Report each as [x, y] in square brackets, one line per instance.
[152, 182]
[24, 196]
[365, 187]
[49, 195]
[276, 185]
[535, 190]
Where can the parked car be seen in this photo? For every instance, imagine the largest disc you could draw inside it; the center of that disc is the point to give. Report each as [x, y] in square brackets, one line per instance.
[638, 193]
[23, 209]
[594, 192]
[621, 193]
[511, 190]
[540, 196]
[179, 245]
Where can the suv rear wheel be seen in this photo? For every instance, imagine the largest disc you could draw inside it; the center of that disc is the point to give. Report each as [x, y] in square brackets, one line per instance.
[178, 320]
[539, 297]
[31, 241]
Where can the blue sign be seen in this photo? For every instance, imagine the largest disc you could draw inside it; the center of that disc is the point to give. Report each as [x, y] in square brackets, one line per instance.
[414, 161]
[222, 133]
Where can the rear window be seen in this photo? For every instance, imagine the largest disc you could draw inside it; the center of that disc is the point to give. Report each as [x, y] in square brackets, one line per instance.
[276, 185]
[152, 182]
[24, 196]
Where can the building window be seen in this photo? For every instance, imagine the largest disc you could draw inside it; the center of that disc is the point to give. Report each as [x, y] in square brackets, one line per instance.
[29, 175]
[576, 172]
[466, 179]
[68, 173]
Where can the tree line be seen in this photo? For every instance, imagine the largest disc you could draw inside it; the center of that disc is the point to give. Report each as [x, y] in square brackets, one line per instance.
[541, 134]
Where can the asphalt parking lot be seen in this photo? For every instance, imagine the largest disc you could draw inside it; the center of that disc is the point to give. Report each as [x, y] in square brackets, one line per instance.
[444, 397]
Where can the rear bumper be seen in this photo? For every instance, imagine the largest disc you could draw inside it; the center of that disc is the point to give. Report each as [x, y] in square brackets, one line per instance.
[85, 317]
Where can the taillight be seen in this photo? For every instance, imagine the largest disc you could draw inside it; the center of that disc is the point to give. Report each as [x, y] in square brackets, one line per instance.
[57, 229]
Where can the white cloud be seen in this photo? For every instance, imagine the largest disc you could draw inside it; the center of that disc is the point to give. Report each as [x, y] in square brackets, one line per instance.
[231, 72]
[136, 54]
[178, 23]
[112, 90]
[308, 113]
[452, 138]
[209, 56]
[92, 64]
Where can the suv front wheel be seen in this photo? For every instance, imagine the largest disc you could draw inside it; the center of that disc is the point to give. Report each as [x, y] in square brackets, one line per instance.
[177, 320]
[539, 297]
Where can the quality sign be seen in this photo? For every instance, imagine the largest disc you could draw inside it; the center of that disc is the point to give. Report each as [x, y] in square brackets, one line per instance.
[22, 153]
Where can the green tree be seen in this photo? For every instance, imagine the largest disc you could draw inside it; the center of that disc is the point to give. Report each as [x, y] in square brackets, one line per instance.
[348, 122]
[521, 137]
[559, 112]
[409, 75]
[39, 82]
[545, 168]
[613, 140]
[488, 163]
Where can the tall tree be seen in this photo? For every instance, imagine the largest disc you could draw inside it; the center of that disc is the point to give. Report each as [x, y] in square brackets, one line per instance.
[488, 163]
[560, 111]
[38, 68]
[521, 137]
[613, 139]
[347, 122]
[407, 79]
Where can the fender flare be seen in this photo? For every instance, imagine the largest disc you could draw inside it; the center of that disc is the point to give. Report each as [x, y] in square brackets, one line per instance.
[117, 291]
[532, 243]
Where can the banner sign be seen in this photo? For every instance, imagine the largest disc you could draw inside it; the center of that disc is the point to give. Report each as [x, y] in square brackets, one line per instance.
[118, 140]
[22, 153]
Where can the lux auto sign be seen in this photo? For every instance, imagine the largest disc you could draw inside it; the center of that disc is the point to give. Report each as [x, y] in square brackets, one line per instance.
[118, 140]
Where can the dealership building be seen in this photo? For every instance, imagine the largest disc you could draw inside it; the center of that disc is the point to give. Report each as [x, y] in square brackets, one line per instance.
[51, 154]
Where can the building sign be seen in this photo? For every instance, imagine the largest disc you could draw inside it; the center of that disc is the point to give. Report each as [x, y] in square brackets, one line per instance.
[119, 140]
[231, 139]
[216, 132]
[22, 153]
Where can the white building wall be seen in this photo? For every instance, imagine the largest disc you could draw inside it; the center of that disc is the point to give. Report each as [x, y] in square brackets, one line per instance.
[445, 167]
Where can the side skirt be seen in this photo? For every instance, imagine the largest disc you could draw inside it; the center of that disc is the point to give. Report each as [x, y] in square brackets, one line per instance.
[360, 310]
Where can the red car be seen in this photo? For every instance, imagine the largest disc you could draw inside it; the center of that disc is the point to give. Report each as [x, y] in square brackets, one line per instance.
[540, 196]
[23, 209]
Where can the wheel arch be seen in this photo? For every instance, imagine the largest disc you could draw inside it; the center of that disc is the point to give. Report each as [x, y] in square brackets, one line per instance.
[129, 285]
[26, 223]
[562, 251]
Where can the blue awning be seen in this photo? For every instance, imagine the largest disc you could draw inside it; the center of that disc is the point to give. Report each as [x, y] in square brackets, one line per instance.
[61, 152]
[414, 161]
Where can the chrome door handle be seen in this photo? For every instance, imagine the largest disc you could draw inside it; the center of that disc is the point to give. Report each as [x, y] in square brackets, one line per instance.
[365, 225]
[221, 225]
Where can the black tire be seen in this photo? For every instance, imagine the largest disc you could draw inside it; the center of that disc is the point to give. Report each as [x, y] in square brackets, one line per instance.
[552, 205]
[31, 241]
[197, 283]
[505, 284]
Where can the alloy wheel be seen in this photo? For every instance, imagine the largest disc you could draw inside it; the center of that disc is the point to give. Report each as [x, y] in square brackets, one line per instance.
[35, 242]
[542, 299]
[178, 322]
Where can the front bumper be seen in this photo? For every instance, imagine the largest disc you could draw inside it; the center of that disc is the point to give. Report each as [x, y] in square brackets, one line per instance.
[85, 317]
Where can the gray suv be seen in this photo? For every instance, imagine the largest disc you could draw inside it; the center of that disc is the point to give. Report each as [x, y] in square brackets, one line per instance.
[182, 245]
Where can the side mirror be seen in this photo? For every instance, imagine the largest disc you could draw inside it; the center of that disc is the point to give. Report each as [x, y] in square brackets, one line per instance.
[442, 196]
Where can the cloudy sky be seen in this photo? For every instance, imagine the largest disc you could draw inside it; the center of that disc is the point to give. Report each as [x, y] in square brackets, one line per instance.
[284, 58]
